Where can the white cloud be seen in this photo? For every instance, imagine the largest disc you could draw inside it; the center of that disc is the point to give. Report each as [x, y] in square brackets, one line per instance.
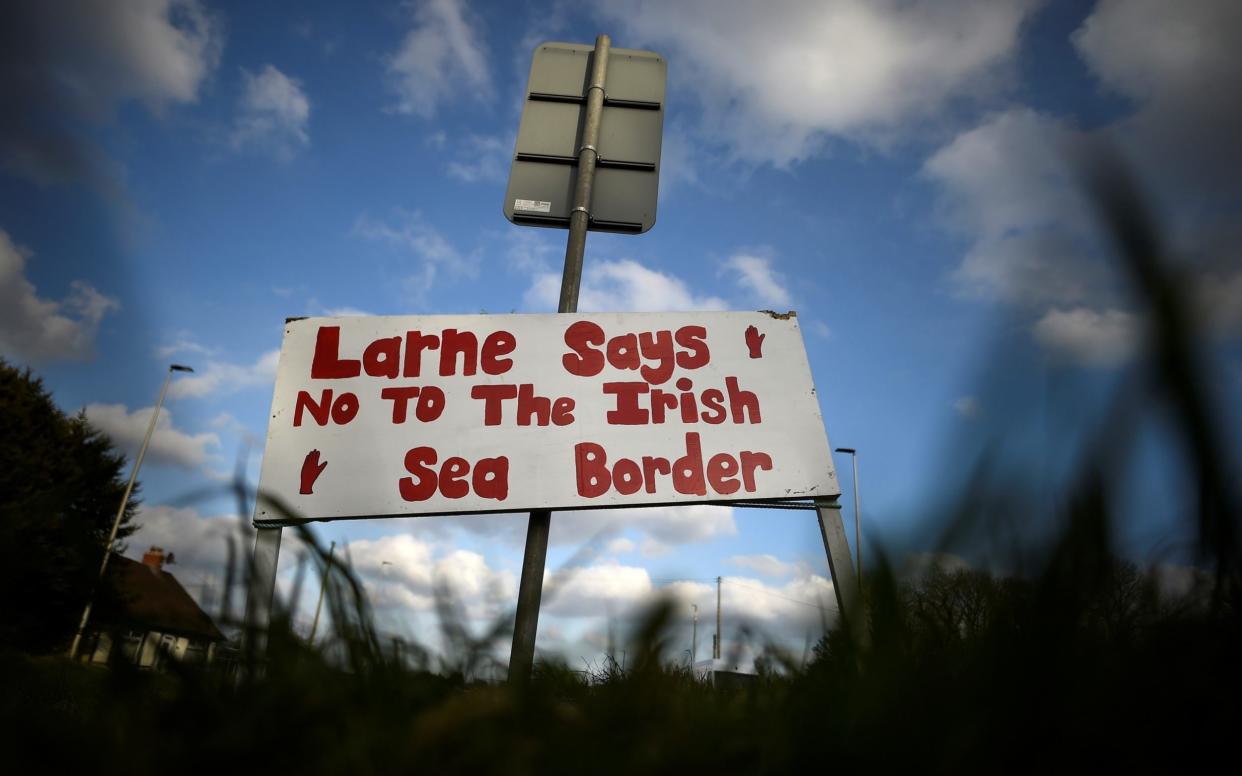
[802, 600]
[664, 525]
[1029, 266]
[218, 378]
[756, 275]
[468, 575]
[411, 558]
[620, 546]
[652, 530]
[345, 312]
[437, 140]
[442, 55]
[1008, 186]
[482, 159]
[594, 590]
[272, 114]
[531, 252]
[79, 61]
[777, 79]
[820, 329]
[200, 543]
[168, 444]
[1089, 337]
[227, 422]
[601, 597]
[403, 572]
[41, 329]
[410, 232]
[315, 307]
[680, 158]
[1153, 50]
[1008, 172]
[183, 343]
[1174, 58]
[768, 565]
[621, 286]
[967, 406]
[1034, 238]
[654, 548]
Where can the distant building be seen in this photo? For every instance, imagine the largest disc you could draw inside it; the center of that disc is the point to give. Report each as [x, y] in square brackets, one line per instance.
[150, 618]
[724, 674]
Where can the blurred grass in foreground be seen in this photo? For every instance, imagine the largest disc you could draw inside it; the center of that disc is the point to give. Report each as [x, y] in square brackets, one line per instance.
[1083, 661]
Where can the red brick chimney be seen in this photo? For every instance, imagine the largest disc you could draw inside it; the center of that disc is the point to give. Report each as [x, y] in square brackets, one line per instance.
[154, 558]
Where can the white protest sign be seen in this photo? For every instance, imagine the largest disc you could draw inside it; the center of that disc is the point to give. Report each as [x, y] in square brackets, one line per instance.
[414, 415]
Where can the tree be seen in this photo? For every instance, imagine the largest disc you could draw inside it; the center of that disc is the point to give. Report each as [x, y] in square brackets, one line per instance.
[60, 486]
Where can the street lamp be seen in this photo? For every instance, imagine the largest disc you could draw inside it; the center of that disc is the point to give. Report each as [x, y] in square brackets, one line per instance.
[857, 515]
[116, 524]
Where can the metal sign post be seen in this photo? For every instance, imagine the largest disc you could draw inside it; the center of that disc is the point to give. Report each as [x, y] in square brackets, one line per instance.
[844, 583]
[534, 559]
[625, 153]
[261, 581]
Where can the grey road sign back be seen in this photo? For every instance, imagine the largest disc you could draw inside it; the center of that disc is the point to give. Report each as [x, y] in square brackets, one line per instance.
[545, 162]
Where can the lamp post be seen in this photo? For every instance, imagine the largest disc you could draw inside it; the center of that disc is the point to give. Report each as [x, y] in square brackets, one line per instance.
[120, 512]
[857, 515]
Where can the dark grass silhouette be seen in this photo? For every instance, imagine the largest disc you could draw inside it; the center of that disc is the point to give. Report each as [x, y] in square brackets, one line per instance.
[1081, 661]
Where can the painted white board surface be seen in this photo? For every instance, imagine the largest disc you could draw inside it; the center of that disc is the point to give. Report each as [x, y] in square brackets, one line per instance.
[415, 415]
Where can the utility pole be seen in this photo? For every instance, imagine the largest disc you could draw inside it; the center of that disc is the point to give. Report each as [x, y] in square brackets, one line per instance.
[716, 652]
[694, 636]
[530, 588]
[327, 568]
[120, 512]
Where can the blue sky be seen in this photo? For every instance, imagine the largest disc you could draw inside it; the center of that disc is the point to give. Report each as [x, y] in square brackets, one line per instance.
[179, 176]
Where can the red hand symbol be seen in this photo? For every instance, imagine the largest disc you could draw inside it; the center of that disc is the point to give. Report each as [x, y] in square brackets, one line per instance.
[754, 341]
[311, 469]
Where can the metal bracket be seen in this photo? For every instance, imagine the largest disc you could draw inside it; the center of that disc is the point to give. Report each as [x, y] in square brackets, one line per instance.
[596, 86]
[580, 209]
[589, 147]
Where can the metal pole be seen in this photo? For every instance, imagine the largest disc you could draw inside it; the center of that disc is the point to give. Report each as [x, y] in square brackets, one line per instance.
[530, 588]
[322, 586]
[588, 155]
[716, 655]
[694, 637]
[844, 581]
[262, 583]
[120, 512]
[853, 454]
[857, 521]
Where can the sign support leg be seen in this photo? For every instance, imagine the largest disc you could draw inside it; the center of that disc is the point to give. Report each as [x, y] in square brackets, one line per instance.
[530, 588]
[261, 588]
[844, 582]
[530, 591]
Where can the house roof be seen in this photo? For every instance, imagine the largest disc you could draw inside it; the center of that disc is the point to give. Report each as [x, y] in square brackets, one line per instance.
[152, 599]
